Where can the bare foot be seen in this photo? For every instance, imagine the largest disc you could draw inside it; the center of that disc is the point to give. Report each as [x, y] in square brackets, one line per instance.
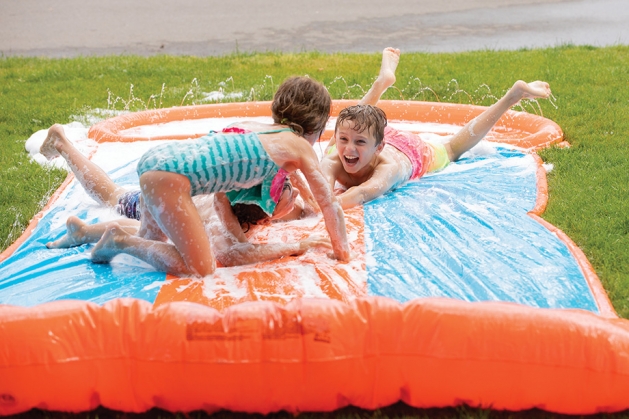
[110, 244]
[56, 137]
[390, 60]
[75, 235]
[533, 90]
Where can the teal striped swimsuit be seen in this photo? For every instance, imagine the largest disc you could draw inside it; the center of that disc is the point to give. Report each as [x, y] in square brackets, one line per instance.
[217, 162]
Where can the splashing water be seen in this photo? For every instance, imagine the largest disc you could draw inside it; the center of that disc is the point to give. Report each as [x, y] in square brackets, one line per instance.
[347, 93]
[421, 89]
[457, 91]
[227, 91]
[16, 228]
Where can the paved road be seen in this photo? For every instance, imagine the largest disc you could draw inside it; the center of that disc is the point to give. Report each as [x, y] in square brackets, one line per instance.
[66, 28]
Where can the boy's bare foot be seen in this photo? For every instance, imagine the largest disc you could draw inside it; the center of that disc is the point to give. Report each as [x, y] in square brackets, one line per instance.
[54, 140]
[109, 245]
[533, 90]
[390, 60]
[75, 235]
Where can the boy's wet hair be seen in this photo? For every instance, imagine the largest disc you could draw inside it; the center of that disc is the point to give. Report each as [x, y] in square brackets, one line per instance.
[303, 104]
[364, 117]
[249, 214]
[252, 214]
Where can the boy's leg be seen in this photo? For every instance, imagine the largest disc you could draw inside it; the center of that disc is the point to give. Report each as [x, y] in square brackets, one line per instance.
[476, 129]
[149, 229]
[95, 181]
[81, 233]
[162, 256]
[386, 77]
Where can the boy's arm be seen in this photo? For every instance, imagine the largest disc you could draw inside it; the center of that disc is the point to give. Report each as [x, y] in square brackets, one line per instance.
[247, 253]
[330, 208]
[384, 178]
[243, 252]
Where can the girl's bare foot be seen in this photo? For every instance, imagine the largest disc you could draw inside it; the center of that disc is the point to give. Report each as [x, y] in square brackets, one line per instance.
[110, 244]
[75, 236]
[390, 60]
[533, 90]
[53, 142]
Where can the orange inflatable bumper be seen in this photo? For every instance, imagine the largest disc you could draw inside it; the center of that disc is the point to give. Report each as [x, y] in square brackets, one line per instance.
[310, 355]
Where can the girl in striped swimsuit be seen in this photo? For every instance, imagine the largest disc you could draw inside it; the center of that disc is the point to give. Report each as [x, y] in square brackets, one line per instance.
[171, 174]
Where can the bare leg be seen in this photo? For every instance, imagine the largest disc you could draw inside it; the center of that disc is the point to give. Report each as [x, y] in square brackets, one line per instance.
[81, 233]
[96, 182]
[165, 257]
[116, 240]
[386, 77]
[148, 226]
[476, 129]
[167, 198]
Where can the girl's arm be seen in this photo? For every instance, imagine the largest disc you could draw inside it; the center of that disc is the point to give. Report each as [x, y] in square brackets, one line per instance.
[330, 207]
[223, 210]
[304, 190]
[331, 166]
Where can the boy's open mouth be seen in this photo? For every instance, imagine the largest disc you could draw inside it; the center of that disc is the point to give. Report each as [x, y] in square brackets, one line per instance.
[350, 160]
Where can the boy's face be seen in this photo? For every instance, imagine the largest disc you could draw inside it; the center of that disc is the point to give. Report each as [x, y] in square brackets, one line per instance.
[356, 150]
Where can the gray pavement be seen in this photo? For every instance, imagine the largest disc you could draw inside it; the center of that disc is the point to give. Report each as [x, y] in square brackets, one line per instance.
[67, 28]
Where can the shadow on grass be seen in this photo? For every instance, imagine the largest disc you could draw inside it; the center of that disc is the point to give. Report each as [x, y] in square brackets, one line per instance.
[398, 411]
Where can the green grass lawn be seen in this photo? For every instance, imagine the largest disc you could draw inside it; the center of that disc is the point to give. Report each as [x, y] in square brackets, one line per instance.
[588, 186]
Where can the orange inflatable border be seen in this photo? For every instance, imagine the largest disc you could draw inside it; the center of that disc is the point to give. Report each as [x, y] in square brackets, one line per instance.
[317, 355]
[603, 302]
[538, 132]
[310, 355]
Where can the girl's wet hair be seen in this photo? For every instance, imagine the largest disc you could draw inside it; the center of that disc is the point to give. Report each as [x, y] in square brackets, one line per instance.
[303, 104]
[364, 117]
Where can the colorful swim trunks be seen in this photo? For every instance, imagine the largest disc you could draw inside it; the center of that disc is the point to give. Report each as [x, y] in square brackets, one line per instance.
[129, 205]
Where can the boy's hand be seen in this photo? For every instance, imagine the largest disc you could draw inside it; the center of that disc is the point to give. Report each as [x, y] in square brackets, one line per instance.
[314, 241]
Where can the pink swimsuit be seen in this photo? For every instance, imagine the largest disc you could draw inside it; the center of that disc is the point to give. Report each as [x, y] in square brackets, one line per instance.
[413, 147]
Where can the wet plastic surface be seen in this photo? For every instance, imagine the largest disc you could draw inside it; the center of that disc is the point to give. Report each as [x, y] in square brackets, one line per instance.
[462, 233]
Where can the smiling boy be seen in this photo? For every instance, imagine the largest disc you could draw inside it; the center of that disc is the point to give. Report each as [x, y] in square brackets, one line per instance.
[368, 158]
